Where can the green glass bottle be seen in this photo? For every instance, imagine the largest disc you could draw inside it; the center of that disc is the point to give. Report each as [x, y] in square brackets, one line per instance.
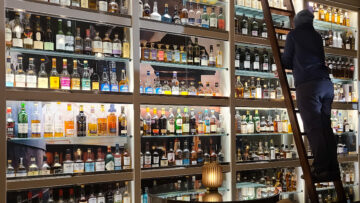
[109, 160]
[178, 122]
[23, 122]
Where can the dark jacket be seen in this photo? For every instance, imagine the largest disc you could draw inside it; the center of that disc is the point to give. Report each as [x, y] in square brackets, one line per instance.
[304, 51]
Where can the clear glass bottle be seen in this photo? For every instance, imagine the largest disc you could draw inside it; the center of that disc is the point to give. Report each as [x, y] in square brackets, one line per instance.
[105, 81]
[175, 90]
[183, 89]
[116, 46]
[192, 89]
[85, 80]
[54, 76]
[184, 15]
[191, 14]
[31, 77]
[205, 18]
[20, 77]
[155, 15]
[213, 18]
[88, 43]
[17, 32]
[75, 77]
[97, 46]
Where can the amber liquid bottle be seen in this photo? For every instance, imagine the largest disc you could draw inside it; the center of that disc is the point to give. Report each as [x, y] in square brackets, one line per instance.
[111, 119]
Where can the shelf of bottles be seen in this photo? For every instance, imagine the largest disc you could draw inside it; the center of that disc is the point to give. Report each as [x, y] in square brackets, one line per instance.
[182, 136]
[256, 184]
[60, 139]
[191, 67]
[66, 54]
[100, 192]
[200, 18]
[183, 188]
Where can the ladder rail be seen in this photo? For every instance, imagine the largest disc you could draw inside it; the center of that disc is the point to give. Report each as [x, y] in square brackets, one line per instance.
[289, 102]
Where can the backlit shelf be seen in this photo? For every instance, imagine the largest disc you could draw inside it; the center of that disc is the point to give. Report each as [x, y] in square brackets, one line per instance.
[182, 66]
[323, 25]
[67, 55]
[184, 136]
[332, 187]
[257, 13]
[263, 134]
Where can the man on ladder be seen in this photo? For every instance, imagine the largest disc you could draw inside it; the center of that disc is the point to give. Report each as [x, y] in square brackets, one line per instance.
[304, 54]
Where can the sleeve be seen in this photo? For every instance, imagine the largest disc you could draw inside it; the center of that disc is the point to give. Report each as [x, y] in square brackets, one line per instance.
[288, 55]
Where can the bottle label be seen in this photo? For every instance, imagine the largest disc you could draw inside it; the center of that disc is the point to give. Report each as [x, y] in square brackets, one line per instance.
[164, 162]
[196, 60]
[212, 61]
[193, 162]
[65, 83]
[221, 24]
[31, 81]
[213, 22]
[114, 88]
[8, 35]
[213, 128]
[247, 64]
[97, 46]
[156, 160]
[109, 166]
[78, 167]
[38, 45]
[45, 172]
[69, 43]
[54, 82]
[117, 198]
[68, 167]
[35, 128]
[75, 84]
[103, 6]
[126, 50]
[148, 90]
[184, 21]
[254, 33]
[348, 46]
[237, 63]
[101, 200]
[95, 85]
[183, 57]
[89, 167]
[265, 66]
[9, 80]
[60, 42]
[69, 128]
[126, 200]
[107, 47]
[117, 163]
[20, 80]
[205, 23]
[100, 166]
[264, 34]
[28, 41]
[58, 128]
[18, 42]
[186, 161]
[116, 49]
[48, 128]
[124, 88]
[105, 87]
[171, 127]
[171, 157]
[178, 162]
[49, 46]
[147, 160]
[160, 55]
[85, 83]
[23, 128]
[256, 65]
[92, 200]
[244, 31]
[186, 128]
[84, 4]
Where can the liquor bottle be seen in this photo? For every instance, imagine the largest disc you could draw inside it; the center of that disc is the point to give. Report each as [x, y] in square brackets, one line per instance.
[244, 25]
[81, 123]
[204, 58]
[85, 80]
[239, 88]
[92, 197]
[10, 124]
[213, 18]
[103, 5]
[221, 20]
[171, 122]
[112, 120]
[200, 126]
[116, 46]
[48, 122]
[117, 194]
[254, 27]
[69, 38]
[75, 77]
[200, 155]
[109, 195]
[33, 168]
[56, 168]
[258, 89]
[213, 123]
[60, 38]
[105, 83]
[178, 122]
[155, 15]
[122, 123]
[256, 62]
[124, 6]
[79, 163]
[183, 89]
[43, 79]
[38, 36]
[17, 32]
[147, 123]
[191, 15]
[10, 75]
[192, 89]
[54, 76]
[153, 52]
[95, 80]
[157, 84]
[212, 58]
[207, 124]
[28, 33]
[126, 195]
[196, 53]
[193, 155]
[109, 160]
[65, 77]
[183, 55]
[88, 43]
[171, 155]
[102, 122]
[176, 17]
[126, 46]
[59, 124]
[166, 89]
[31, 77]
[186, 122]
[69, 122]
[184, 15]
[247, 61]
[92, 126]
[205, 18]
[160, 53]
[97, 46]
[155, 125]
[107, 45]
[82, 191]
[175, 90]
[48, 38]
[21, 170]
[79, 42]
[89, 163]
[164, 161]
[23, 122]
[8, 31]
[117, 158]
[35, 123]
[147, 156]
[20, 77]
[146, 11]
[155, 158]
[163, 122]
[186, 154]
[68, 163]
[113, 7]
[198, 15]
[114, 85]
[45, 168]
[100, 163]
[178, 154]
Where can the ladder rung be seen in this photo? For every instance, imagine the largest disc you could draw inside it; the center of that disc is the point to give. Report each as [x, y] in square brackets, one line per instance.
[282, 12]
[282, 30]
[292, 89]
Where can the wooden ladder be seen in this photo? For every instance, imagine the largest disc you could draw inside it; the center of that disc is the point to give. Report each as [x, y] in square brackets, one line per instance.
[272, 30]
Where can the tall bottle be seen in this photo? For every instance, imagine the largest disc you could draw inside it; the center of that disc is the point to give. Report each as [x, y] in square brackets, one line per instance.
[31, 77]
[59, 121]
[178, 122]
[196, 53]
[105, 81]
[79, 42]
[43, 78]
[36, 123]
[10, 123]
[171, 122]
[102, 122]
[175, 84]
[20, 77]
[166, 17]
[75, 77]
[205, 18]
[39, 35]
[112, 120]
[95, 80]
[126, 45]
[9, 74]
[69, 38]
[85, 80]
[54, 76]
[124, 82]
[65, 77]
[109, 160]
[60, 37]
[28, 33]
[17, 32]
[23, 125]
[184, 16]
[48, 38]
[81, 123]
[122, 122]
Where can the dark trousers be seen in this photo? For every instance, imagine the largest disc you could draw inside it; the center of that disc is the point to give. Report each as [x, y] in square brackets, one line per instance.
[314, 101]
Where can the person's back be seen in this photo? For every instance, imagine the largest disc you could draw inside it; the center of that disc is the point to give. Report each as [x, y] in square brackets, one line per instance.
[304, 51]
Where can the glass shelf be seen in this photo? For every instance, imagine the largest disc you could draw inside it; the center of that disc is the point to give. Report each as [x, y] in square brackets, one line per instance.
[182, 66]
[255, 74]
[322, 25]
[251, 12]
[291, 193]
[264, 134]
[68, 55]
[88, 140]
[333, 187]
[339, 80]
[248, 185]
[187, 192]
[208, 2]
[185, 136]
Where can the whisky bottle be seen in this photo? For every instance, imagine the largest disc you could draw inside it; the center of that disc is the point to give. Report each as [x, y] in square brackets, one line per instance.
[193, 155]
[147, 157]
[186, 122]
[36, 123]
[107, 45]
[176, 18]
[186, 154]
[65, 77]
[122, 122]
[219, 59]
[43, 79]
[116, 46]
[31, 77]
[178, 122]
[54, 76]
[126, 46]
[10, 124]
[111, 118]
[85, 80]
[89, 163]
[81, 123]
[114, 85]
[23, 122]
[9, 74]
[97, 47]
[175, 89]
[59, 124]
[102, 122]
[126, 195]
[60, 38]
[171, 155]
[196, 53]
[109, 160]
[163, 122]
[79, 46]
[117, 158]
[45, 168]
[105, 82]
[17, 34]
[178, 154]
[33, 168]
[221, 20]
[68, 163]
[213, 18]
[147, 10]
[39, 35]
[92, 126]
[171, 122]
[213, 123]
[95, 80]
[20, 78]
[256, 62]
[75, 77]
[155, 125]
[69, 122]
[48, 38]
[155, 15]
[205, 18]
[28, 33]
[79, 163]
[8, 32]
[113, 7]
[155, 158]
[69, 38]
[212, 58]
[200, 155]
[88, 43]
[207, 126]
[184, 15]
[56, 168]
[103, 5]
[160, 53]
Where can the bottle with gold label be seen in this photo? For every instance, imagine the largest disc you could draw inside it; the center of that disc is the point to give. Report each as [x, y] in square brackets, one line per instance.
[75, 77]
[321, 13]
[122, 123]
[69, 122]
[124, 82]
[54, 76]
[126, 46]
[92, 126]
[102, 122]
[111, 118]
[33, 168]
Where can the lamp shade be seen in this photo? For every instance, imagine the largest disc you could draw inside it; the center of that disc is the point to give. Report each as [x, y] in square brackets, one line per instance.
[212, 176]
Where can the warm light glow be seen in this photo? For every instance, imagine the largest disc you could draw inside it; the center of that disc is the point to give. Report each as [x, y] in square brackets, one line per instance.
[212, 197]
[212, 176]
